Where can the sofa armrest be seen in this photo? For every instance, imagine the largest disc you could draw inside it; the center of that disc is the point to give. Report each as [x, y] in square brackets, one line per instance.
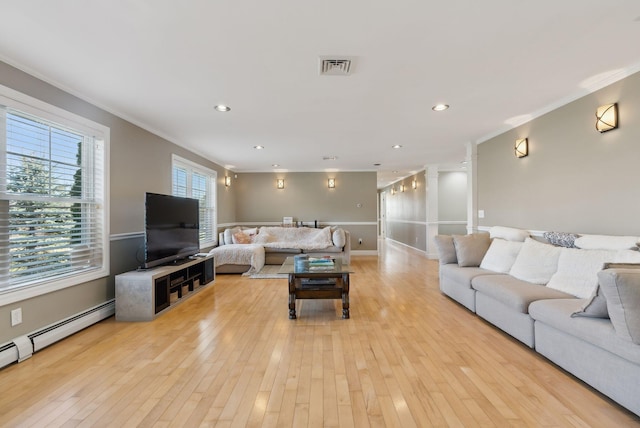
[346, 258]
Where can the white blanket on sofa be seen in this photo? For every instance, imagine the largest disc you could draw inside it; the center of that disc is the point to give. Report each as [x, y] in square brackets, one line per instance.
[304, 238]
[240, 254]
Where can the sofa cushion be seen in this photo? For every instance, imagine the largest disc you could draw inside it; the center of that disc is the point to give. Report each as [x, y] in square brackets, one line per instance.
[463, 276]
[597, 331]
[514, 293]
[282, 250]
[446, 249]
[508, 233]
[228, 235]
[331, 249]
[470, 249]
[606, 242]
[621, 289]
[501, 255]
[338, 238]
[561, 239]
[536, 262]
[241, 238]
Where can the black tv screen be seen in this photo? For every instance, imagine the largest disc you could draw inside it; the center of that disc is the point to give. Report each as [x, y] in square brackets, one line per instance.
[171, 229]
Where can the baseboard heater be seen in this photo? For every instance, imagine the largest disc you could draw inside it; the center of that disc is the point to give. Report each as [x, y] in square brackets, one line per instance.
[23, 347]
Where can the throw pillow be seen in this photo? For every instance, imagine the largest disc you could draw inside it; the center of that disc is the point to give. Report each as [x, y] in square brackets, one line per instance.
[338, 237]
[595, 307]
[470, 249]
[241, 238]
[446, 249]
[577, 272]
[561, 239]
[251, 231]
[508, 233]
[621, 289]
[605, 242]
[501, 255]
[228, 235]
[536, 262]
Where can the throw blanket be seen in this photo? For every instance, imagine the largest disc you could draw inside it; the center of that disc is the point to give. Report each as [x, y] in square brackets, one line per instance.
[304, 238]
[240, 254]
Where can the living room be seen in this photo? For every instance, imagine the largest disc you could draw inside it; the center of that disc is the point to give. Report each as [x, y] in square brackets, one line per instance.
[574, 179]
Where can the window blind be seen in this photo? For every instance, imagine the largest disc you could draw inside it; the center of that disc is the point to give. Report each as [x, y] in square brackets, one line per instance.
[51, 218]
[194, 181]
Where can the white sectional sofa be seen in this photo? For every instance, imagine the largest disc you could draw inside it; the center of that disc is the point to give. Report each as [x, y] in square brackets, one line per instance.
[246, 250]
[574, 299]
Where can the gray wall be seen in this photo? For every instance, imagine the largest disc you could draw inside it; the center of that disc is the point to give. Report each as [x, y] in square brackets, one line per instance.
[574, 179]
[406, 213]
[307, 198]
[452, 203]
[140, 162]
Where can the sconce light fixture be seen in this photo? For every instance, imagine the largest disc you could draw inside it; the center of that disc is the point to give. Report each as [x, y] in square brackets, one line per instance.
[522, 147]
[280, 183]
[331, 183]
[227, 181]
[607, 117]
[393, 190]
[414, 184]
[402, 188]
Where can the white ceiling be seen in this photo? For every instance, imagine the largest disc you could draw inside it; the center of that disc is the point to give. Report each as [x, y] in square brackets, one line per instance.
[165, 64]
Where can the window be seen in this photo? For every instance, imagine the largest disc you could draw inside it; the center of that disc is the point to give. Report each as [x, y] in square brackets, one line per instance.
[191, 180]
[53, 229]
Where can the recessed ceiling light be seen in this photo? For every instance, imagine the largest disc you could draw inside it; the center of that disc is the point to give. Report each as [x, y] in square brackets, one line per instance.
[275, 165]
[440, 107]
[222, 107]
[258, 147]
[329, 157]
[396, 146]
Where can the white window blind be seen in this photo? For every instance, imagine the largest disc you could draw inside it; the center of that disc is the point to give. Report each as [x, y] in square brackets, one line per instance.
[191, 180]
[52, 219]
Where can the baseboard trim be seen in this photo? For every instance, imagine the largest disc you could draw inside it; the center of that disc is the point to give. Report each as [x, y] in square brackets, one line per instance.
[23, 347]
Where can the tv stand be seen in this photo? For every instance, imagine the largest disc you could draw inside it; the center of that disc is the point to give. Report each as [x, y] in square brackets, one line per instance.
[142, 295]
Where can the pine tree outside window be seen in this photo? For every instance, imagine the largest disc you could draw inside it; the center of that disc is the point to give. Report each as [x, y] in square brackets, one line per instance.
[53, 228]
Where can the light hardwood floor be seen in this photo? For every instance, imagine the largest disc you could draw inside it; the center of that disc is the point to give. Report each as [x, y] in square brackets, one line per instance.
[230, 357]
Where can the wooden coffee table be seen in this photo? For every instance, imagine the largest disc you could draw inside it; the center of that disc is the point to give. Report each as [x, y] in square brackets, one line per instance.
[325, 283]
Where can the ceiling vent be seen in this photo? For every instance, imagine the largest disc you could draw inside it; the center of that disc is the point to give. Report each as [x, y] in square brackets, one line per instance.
[335, 66]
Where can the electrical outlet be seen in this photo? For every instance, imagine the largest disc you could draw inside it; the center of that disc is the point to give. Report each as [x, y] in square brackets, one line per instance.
[480, 213]
[16, 317]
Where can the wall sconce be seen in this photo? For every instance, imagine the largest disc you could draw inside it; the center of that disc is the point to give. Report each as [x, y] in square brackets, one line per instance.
[331, 183]
[393, 190]
[414, 184]
[402, 188]
[521, 147]
[280, 183]
[227, 181]
[607, 117]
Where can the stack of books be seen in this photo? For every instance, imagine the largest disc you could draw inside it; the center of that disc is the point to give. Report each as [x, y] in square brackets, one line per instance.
[320, 264]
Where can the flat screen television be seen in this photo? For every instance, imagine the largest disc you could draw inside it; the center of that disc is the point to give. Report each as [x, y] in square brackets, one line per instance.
[171, 229]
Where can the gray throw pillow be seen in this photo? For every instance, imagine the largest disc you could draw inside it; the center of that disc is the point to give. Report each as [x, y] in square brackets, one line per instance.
[621, 288]
[594, 307]
[470, 249]
[561, 239]
[446, 249]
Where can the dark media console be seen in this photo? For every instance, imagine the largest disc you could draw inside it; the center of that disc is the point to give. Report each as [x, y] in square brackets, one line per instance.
[144, 294]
